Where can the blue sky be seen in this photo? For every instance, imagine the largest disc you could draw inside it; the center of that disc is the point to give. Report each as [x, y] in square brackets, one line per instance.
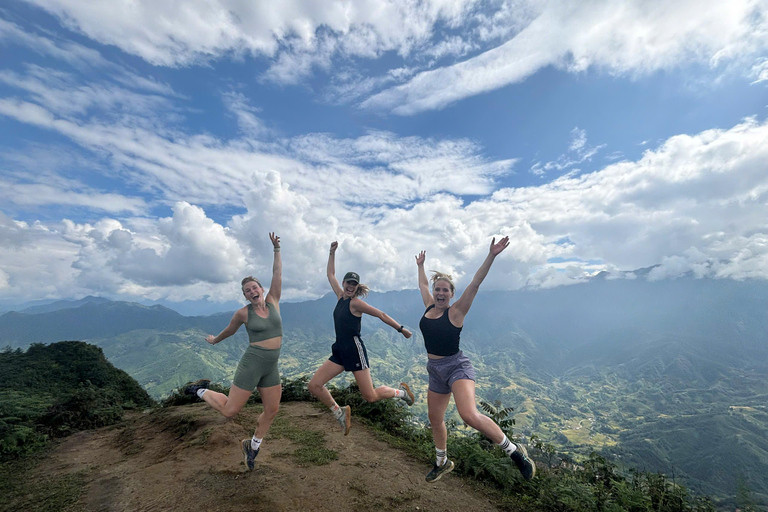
[147, 148]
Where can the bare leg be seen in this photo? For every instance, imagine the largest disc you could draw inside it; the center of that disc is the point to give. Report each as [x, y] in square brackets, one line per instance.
[230, 405]
[464, 395]
[270, 398]
[365, 383]
[325, 373]
[437, 404]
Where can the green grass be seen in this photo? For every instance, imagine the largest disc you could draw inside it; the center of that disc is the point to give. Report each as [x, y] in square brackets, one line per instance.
[311, 450]
[20, 490]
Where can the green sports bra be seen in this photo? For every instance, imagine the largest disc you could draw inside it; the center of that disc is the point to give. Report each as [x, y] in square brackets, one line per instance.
[260, 329]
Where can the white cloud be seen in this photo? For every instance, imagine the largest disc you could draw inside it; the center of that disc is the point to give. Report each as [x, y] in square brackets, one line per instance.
[630, 37]
[175, 33]
[187, 248]
[63, 95]
[760, 71]
[515, 39]
[398, 169]
[37, 194]
[708, 192]
[245, 114]
[578, 152]
[695, 204]
[36, 260]
[74, 54]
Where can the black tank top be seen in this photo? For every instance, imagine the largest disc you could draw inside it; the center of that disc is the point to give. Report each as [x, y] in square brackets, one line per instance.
[441, 337]
[347, 325]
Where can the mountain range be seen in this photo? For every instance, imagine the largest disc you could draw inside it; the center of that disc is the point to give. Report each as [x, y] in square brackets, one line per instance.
[665, 376]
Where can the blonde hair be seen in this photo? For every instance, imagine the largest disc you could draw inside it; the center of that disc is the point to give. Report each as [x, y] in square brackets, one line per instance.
[362, 291]
[439, 276]
[248, 280]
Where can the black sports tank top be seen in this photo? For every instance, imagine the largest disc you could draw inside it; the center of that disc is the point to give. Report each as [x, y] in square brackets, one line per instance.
[441, 337]
[347, 325]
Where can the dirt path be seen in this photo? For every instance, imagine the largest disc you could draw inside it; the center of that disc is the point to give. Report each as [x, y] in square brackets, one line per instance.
[188, 458]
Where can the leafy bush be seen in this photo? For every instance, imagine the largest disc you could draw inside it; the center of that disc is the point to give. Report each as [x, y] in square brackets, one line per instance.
[86, 408]
[17, 439]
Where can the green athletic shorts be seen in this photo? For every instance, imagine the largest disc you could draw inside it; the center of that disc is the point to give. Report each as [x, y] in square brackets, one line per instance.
[257, 368]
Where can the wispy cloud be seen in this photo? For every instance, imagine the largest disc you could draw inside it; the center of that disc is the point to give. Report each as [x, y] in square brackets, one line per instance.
[619, 37]
[578, 152]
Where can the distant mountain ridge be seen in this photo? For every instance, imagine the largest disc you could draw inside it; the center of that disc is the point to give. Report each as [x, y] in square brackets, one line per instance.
[63, 304]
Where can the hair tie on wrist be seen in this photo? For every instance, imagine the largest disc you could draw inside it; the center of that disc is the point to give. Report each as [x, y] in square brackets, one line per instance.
[277, 249]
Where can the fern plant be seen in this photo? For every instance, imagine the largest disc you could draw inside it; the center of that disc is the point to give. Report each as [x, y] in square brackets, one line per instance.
[500, 414]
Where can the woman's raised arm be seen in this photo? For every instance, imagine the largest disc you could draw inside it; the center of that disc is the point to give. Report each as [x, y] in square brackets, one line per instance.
[276, 287]
[331, 270]
[465, 301]
[423, 281]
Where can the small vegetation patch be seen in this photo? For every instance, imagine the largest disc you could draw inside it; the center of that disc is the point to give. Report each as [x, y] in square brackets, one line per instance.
[311, 450]
[19, 490]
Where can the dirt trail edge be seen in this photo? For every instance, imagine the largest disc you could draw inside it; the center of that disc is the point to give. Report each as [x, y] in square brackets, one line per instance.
[188, 458]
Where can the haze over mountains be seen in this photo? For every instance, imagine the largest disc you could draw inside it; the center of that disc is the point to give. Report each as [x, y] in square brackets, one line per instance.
[665, 375]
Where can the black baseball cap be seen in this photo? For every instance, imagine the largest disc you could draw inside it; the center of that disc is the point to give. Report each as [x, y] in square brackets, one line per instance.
[352, 276]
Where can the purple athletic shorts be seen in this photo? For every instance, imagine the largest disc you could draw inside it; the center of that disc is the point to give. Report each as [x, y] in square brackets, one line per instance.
[444, 372]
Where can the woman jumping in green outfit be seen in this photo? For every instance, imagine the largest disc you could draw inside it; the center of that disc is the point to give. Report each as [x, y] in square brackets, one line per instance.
[258, 366]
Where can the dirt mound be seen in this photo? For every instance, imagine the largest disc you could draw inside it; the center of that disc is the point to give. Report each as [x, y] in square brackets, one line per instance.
[188, 458]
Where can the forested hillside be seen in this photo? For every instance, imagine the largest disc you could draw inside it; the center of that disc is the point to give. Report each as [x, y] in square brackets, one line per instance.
[53, 390]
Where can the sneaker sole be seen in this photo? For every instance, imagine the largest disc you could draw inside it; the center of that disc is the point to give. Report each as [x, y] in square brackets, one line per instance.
[347, 419]
[409, 393]
[445, 472]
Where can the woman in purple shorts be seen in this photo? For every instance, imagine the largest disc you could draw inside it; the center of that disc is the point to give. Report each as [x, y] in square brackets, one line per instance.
[349, 353]
[450, 371]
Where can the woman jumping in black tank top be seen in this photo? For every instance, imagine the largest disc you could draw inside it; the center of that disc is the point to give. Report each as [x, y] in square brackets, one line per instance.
[450, 372]
[349, 353]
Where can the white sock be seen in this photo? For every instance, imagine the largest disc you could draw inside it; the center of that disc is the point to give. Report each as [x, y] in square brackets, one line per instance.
[255, 443]
[442, 456]
[201, 392]
[337, 412]
[508, 446]
[399, 393]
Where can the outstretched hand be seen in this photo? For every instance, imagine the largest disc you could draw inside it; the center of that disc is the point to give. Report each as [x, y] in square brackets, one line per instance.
[275, 240]
[496, 248]
[211, 339]
[334, 246]
[407, 333]
[420, 259]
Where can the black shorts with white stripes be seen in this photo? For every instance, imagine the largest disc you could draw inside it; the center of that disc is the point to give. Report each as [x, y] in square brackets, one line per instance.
[351, 355]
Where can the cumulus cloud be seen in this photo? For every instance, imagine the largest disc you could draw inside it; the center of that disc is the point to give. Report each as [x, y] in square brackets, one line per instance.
[695, 194]
[36, 260]
[695, 205]
[187, 248]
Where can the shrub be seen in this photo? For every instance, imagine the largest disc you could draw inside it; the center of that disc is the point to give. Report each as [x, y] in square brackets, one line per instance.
[88, 407]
